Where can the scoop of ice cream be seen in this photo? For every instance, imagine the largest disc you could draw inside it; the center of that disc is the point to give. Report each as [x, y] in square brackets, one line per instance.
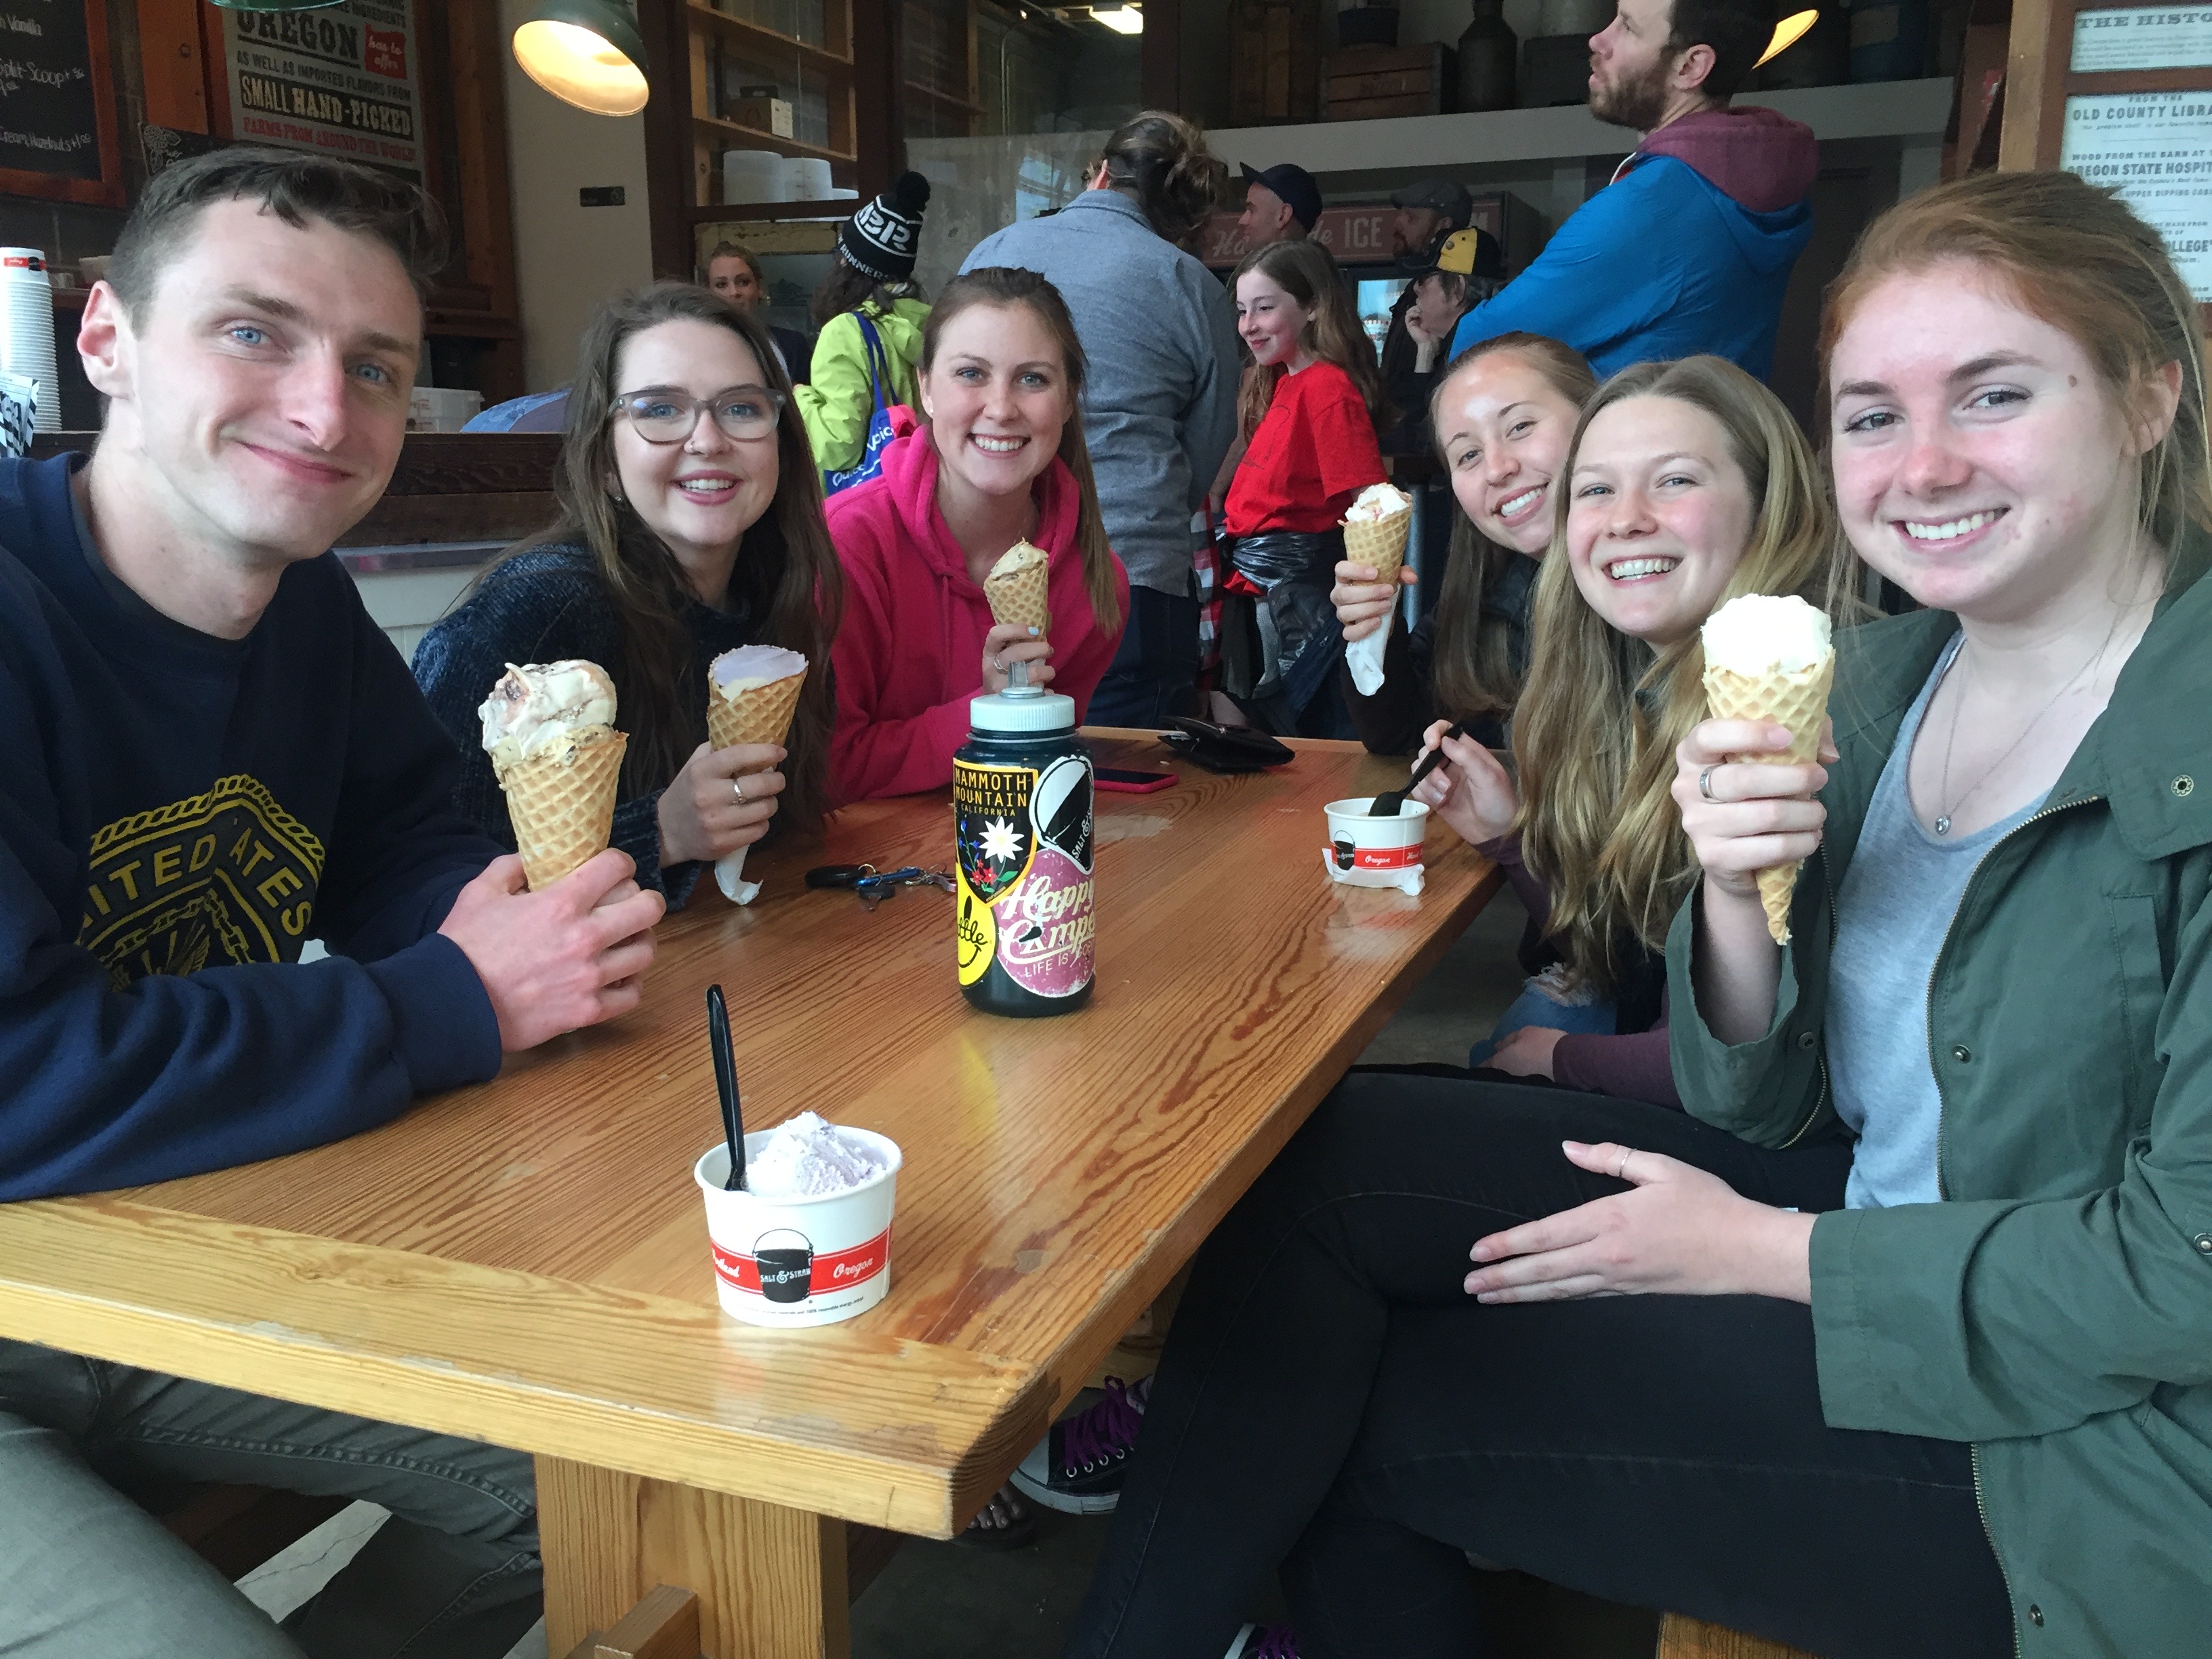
[1764, 633]
[810, 1158]
[1378, 500]
[1021, 556]
[750, 666]
[540, 705]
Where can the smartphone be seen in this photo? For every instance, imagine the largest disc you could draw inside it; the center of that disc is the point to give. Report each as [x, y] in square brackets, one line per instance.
[1125, 782]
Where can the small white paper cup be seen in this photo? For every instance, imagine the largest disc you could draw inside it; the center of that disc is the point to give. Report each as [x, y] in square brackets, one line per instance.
[804, 1261]
[1367, 851]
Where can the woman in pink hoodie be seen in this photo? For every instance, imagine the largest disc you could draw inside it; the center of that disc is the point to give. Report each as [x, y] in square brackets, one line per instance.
[997, 457]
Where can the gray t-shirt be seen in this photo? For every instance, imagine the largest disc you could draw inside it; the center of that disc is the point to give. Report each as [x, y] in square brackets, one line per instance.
[1894, 909]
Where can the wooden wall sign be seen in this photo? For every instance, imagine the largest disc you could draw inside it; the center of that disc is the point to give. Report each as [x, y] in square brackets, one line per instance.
[57, 102]
[2122, 95]
[341, 80]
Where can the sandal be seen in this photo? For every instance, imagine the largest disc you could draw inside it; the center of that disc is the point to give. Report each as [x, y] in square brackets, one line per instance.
[1004, 1523]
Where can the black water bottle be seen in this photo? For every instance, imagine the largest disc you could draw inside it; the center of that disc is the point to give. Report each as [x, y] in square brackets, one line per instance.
[1026, 921]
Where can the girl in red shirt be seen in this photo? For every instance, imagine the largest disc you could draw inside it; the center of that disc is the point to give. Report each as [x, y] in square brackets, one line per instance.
[1308, 413]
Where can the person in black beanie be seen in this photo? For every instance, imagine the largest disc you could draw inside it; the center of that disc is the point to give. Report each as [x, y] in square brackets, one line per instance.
[869, 310]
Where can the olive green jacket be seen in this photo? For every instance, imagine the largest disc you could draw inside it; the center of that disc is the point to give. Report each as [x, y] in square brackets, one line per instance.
[2056, 1310]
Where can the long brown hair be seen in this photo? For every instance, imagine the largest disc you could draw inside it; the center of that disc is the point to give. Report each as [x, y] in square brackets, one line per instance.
[2077, 257]
[786, 576]
[1008, 286]
[844, 287]
[1602, 712]
[1304, 270]
[1474, 669]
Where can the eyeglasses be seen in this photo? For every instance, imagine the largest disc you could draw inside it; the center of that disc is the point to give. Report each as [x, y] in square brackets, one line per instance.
[667, 417]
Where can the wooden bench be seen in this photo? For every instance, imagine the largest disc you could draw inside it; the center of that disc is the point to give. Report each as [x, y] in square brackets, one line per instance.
[1688, 1638]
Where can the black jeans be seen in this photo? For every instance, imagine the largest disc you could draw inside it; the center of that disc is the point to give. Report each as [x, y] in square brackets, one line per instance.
[1332, 1402]
[1154, 673]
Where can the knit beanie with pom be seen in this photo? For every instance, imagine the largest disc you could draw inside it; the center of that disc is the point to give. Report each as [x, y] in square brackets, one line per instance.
[882, 239]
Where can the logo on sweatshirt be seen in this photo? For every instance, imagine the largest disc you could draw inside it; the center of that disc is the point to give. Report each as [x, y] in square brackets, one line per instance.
[219, 879]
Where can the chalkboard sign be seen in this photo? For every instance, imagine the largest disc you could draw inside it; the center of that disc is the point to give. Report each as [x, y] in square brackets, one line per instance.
[57, 102]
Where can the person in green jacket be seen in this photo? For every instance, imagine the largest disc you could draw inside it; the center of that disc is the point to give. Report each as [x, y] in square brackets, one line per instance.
[870, 279]
[1897, 1344]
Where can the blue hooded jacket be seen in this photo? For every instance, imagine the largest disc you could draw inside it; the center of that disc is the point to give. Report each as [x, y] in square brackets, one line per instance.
[1688, 250]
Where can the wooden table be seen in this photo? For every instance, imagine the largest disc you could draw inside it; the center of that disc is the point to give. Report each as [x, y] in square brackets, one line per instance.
[526, 1262]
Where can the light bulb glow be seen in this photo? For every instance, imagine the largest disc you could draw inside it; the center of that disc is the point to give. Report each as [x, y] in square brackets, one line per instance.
[581, 68]
[1788, 32]
[1122, 19]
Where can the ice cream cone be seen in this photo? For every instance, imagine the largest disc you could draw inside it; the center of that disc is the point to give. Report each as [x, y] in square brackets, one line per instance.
[1798, 700]
[1379, 541]
[755, 713]
[561, 802]
[1016, 587]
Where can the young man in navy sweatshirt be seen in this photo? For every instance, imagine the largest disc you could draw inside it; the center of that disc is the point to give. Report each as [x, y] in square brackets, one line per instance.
[213, 755]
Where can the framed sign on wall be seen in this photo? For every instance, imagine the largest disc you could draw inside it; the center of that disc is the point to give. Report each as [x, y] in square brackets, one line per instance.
[57, 102]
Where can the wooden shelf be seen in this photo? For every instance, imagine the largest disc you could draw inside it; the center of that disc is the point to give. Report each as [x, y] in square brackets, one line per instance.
[1910, 109]
[947, 100]
[751, 34]
[772, 213]
[715, 127]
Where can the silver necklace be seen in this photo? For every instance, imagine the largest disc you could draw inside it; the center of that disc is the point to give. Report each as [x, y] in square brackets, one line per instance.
[1943, 824]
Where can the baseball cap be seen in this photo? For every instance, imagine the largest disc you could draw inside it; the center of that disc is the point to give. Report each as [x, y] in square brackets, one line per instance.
[1470, 253]
[1294, 184]
[1444, 196]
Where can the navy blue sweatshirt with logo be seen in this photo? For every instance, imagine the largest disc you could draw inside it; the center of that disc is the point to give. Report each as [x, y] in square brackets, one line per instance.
[178, 815]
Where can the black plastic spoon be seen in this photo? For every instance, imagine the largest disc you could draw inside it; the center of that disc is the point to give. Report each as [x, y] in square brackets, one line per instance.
[725, 1086]
[1394, 804]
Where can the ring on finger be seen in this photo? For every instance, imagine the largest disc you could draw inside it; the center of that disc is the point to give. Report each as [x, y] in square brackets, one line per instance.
[1621, 1170]
[1705, 784]
[997, 667]
[738, 784]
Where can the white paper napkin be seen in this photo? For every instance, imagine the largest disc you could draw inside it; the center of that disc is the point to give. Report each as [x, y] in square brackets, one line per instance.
[1364, 659]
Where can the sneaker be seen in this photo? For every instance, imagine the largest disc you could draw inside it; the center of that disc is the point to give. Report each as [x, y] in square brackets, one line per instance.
[1078, 1468]
[1264, 1642]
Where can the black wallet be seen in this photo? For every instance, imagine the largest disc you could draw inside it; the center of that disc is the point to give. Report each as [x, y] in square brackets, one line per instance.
[1225, 749]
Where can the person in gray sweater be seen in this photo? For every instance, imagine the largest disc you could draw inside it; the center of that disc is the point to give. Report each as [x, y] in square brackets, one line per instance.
[1160, 405]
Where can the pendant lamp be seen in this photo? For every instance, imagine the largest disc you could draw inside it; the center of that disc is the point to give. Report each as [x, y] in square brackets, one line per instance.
[276, 5]
[585, 52]
[1788, 32]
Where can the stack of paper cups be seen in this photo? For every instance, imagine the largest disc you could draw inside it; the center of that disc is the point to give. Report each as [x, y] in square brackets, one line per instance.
[806, 179]
[27, 328]
[753, 175]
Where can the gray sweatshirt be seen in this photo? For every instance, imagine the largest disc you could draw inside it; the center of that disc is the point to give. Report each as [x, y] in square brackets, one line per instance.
[1160, 410]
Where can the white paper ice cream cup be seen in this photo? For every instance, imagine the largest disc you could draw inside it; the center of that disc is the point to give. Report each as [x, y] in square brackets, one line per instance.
[803, 1261]
[1367, 851]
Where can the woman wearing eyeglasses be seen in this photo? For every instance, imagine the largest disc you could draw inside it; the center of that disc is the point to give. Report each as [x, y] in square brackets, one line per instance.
[690, 523]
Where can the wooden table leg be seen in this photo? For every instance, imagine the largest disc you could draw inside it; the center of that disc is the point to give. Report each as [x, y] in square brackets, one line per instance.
[770, 1581]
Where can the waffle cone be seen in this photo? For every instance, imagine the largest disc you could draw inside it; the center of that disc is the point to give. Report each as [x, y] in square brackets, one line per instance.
[759, 713]
[1018, 597]
[1798, 700]
[1378, 541]
[562, 808]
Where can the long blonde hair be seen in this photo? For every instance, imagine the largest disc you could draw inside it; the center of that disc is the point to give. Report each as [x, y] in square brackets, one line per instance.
[1595, 733]
[1012, 285]
[2076, 255]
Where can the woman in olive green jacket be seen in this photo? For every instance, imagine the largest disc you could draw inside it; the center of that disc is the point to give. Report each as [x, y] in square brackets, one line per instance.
[1899, 1346]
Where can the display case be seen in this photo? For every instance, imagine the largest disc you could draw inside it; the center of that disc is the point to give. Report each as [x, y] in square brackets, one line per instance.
[771, 79]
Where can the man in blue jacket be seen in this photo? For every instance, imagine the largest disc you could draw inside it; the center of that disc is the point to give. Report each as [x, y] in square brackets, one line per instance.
[214, 755]
[1689, 249]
